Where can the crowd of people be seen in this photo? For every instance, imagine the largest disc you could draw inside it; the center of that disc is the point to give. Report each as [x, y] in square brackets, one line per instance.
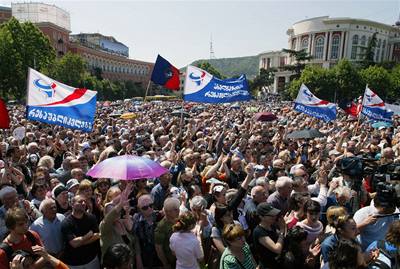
[239, 193]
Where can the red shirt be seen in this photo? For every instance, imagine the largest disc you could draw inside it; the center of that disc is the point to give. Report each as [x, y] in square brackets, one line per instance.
[25, 245]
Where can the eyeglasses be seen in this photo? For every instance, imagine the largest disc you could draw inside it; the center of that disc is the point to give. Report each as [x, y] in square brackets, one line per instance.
[146, 207]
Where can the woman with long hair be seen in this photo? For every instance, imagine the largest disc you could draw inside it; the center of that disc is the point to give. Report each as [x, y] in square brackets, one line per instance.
[237, 254]
[345, 228]
[185, 245]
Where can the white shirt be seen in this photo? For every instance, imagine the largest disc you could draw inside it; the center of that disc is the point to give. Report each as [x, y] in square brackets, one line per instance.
[187, 250]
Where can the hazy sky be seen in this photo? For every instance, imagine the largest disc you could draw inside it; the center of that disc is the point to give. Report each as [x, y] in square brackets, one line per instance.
[180, 30]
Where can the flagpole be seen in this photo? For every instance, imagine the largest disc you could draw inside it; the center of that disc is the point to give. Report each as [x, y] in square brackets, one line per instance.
[359, 113]
[147, 90]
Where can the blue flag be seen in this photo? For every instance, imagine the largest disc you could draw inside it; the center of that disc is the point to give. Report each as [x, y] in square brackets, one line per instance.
[52, 102]
[309, 104]
[374, 108]
[202, 87]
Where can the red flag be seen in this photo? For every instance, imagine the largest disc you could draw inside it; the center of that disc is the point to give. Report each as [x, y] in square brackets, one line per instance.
[4, 118]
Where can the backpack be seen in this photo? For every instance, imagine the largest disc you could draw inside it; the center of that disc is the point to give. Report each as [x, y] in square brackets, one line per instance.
[386, 259]
[10, 251]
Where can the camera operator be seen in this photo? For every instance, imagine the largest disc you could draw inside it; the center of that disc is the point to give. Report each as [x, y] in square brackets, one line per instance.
[351, 175]
[374, 220]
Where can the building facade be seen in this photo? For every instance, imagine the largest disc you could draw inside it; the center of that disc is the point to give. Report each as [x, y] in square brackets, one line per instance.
[328, 40]
[112, 66]
[53, 21]
[5, 14]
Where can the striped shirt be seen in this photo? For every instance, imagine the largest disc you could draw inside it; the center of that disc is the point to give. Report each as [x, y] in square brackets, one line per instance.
[229, 261]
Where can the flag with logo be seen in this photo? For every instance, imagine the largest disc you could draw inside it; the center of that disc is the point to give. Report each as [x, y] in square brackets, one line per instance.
[309, 104]
[52, 102]
[374, 108]
[203, 87]
[165, 74]
[4, 117]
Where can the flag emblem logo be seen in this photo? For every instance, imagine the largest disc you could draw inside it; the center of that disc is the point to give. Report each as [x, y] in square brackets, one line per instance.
[49, 90]
[198, 79]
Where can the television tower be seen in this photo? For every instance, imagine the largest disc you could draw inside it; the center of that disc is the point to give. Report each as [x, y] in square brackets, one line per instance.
[212, 55]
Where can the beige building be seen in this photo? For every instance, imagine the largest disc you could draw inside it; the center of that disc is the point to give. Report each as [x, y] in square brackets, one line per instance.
[328, 40]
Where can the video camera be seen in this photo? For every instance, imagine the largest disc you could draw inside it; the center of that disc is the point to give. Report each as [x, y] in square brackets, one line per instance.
[388, 194]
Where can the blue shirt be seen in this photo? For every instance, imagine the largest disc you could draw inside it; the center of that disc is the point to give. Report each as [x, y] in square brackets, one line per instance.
[328, 245]
[50, 233]
[375, 231]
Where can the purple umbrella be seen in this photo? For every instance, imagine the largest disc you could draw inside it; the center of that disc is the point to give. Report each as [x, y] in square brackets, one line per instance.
[127, 167]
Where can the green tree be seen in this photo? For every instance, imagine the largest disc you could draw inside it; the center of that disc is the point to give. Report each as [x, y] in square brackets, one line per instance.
[379, 80]
[395, 80]
[22, 45]
[348, 82]
[368, 56]
[70, 70]
[263, 80]
[319, 80]
[206, 66]
[301, 57]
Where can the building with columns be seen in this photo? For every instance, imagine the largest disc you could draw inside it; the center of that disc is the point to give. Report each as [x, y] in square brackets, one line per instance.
[328, 40]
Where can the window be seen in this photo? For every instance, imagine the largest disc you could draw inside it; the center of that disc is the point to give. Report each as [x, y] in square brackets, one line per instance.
[268, 63]
[354, 47]
[363, 40]
[304, 44]
[282, 61]
[335, 47]
[383, 50]
[319, 47]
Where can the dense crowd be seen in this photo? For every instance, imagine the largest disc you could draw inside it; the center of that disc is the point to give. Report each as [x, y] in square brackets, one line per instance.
[239, 193]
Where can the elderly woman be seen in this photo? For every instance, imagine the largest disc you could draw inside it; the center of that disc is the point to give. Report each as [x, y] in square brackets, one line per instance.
[145, 222]
[117, 224]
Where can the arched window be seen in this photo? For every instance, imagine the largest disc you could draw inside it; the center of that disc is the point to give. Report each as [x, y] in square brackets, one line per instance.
[304, 44]
[363, 40]
[319, 47]
[335, 47]
[354, 47]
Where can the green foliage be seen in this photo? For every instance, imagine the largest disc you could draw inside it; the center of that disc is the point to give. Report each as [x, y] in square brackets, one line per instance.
[300, 59]
[22, 45]
[232, 67]
[262, 80]
[320, 81]
[368, 56]
[70, 70]
[210, 69]
[379, 80]
[347, 81]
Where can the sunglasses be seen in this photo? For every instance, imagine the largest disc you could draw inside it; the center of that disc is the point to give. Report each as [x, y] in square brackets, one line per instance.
[146, 207]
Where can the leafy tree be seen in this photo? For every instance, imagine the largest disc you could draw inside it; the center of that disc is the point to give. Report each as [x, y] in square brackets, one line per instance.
[300, 59]
[70, 70]
[347, 81]
[22, 45]
[320, 81]
[210, 69]
[379, 80]
[263, 80]
[368, 56]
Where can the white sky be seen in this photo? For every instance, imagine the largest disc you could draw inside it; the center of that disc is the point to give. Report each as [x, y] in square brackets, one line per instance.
[180, 30]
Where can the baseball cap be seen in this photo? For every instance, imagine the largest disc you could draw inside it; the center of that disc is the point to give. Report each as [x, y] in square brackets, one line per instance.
[72, 183]
[58, 190]
[218, 188]
[265, 209]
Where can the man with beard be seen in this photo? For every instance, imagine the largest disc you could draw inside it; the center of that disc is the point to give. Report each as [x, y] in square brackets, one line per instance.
[81, 234]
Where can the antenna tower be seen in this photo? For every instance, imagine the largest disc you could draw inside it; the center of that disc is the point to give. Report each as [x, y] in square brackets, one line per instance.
[212, 55]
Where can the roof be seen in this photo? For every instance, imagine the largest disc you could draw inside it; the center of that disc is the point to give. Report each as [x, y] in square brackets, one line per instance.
[3, 8]
[328, 20]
